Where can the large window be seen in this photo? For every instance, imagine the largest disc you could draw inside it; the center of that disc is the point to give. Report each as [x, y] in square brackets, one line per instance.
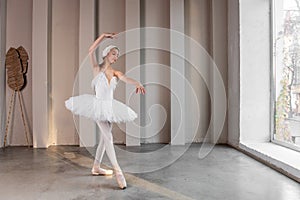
[286, 70]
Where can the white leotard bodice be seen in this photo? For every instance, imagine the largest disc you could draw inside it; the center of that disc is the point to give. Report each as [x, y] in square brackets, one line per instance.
[103, 89]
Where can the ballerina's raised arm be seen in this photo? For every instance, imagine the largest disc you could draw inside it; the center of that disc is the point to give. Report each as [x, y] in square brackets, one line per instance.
[94, 46]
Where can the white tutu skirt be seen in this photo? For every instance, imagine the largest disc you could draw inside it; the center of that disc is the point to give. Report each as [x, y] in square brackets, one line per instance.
[100, 110]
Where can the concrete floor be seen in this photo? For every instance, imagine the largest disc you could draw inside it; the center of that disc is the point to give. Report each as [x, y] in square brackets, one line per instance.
[63, 172]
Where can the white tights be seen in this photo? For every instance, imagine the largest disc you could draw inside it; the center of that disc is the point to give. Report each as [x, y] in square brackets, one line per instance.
[106, 143]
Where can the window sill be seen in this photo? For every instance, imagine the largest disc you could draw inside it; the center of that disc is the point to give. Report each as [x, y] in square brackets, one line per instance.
[284, 160]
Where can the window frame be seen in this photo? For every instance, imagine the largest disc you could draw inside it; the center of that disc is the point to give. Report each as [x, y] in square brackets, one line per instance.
[272, 80]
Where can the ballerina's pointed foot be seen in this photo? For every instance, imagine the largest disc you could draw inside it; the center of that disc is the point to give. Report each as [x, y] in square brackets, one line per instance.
[97, 171]
[121, 180]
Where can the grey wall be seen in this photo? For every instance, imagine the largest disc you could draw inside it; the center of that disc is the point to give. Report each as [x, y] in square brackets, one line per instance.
[19, 32]
[64, 66]
[64, 62]
[206, 24]
[255, 70]
[233, 73]
[156, 14]
[2, 70]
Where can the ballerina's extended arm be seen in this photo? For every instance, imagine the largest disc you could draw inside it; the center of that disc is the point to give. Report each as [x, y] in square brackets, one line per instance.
[123, 77]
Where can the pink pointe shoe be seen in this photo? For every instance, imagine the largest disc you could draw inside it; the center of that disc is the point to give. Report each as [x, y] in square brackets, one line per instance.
[100, 171]
[121, 180]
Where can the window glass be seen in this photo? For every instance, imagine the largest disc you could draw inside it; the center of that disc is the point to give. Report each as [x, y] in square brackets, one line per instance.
[286, 65]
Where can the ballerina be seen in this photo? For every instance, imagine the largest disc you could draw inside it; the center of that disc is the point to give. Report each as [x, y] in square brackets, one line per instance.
[103, 108]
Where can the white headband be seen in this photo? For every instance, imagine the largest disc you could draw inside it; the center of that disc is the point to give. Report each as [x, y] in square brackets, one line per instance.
[107, 50]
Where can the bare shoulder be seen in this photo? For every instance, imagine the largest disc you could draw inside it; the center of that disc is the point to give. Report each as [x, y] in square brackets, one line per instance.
[118, 73]
[96, 71]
